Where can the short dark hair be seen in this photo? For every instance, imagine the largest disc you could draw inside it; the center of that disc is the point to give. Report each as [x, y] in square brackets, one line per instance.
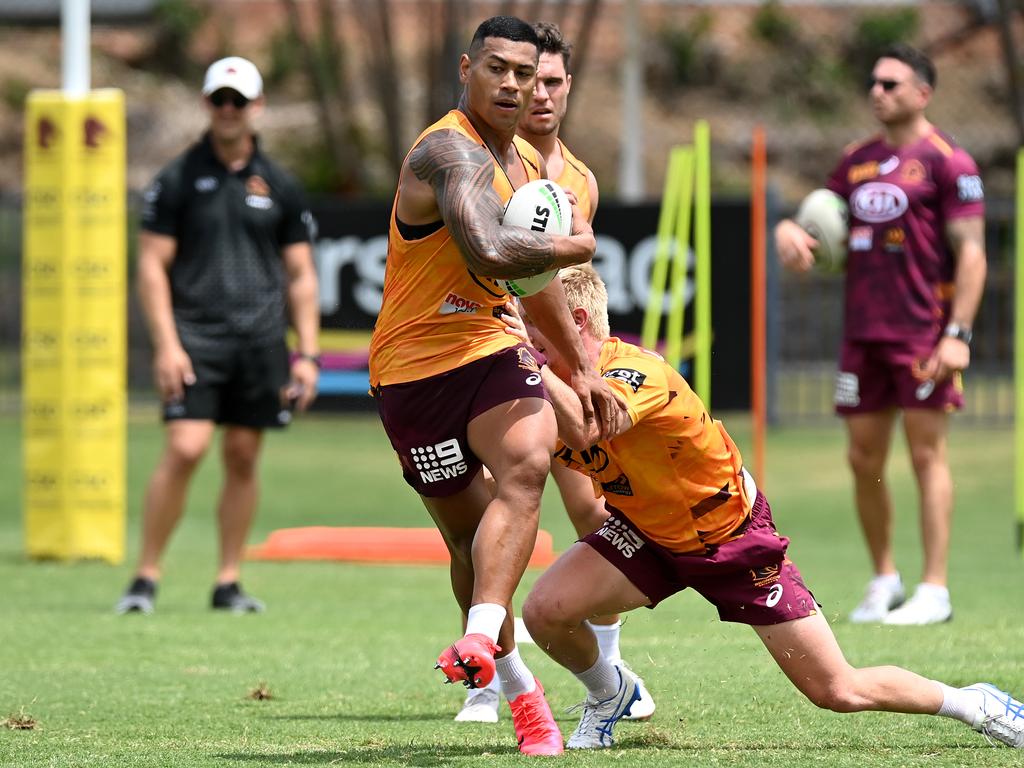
[551, 41]
[505, 27]
[916, 59]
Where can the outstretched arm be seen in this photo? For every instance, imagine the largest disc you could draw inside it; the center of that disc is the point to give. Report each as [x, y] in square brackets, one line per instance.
[461, 174]
[573, 428]
[548, 310]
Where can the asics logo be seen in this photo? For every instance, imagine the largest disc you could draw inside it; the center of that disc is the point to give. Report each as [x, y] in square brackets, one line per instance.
[774, 595]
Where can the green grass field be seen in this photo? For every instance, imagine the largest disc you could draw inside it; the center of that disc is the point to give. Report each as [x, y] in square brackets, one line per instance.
[346, 650]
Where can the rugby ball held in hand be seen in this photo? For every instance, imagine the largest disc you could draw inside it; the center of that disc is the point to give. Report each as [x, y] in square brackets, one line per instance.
[823, 215]
[542, 206]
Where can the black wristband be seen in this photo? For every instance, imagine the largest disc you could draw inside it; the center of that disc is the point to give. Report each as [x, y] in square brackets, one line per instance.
[959, 332]
[314, 359]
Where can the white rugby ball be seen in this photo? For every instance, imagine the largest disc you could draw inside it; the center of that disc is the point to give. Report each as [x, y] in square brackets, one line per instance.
[823, 215]
[542, 206]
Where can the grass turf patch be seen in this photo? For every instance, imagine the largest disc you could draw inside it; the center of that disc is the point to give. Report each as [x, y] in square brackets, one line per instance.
[347, 650]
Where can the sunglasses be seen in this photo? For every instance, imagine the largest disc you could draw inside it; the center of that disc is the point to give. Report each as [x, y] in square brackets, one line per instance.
[226, 96]
[887, 85]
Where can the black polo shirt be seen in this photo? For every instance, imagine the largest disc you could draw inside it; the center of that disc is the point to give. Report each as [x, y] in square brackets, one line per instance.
[228, 281]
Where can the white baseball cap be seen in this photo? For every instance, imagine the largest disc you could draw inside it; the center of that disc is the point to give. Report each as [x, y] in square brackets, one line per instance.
[235, 73]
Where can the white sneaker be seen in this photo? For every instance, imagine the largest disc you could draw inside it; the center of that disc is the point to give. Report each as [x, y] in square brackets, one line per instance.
[1000, 716]
[599, 717]
[481, 706]
[883, 594]
[643, 707]
[929, 605]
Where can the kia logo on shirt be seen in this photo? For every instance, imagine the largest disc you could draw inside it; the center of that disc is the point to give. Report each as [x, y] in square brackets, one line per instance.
[878, 201]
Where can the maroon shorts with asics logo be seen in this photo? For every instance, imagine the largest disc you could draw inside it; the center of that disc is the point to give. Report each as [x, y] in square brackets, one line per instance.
[749, 579]
[879, 375]
[427, 420]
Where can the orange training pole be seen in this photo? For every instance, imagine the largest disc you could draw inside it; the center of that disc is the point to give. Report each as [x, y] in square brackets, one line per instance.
[758, 336]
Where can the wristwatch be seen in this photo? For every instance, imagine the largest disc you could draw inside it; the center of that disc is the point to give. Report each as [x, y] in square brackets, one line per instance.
[961, 332]
[314, 359]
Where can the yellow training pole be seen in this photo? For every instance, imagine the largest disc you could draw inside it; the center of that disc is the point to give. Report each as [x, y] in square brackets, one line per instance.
[680, 257]
[1018, 353]
[702, 246]
[659, 271]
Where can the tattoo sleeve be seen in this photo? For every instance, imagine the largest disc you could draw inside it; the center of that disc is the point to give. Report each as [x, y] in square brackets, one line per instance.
[967, 231]
[461, 173]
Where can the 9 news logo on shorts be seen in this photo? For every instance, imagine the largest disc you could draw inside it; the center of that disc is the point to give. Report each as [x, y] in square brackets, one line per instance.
[441, 461]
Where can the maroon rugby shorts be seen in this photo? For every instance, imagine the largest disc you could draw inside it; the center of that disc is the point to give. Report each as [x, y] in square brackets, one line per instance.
[427, 420]
[749, 579]
[879, 375]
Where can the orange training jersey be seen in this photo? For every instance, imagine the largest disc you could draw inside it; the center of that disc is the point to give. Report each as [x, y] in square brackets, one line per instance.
[575, 176]
[436, 315]
[676, 472]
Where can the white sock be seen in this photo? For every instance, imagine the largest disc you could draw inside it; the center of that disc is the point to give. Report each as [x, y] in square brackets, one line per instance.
[516, 678]
[608, 640]
[485, 619]
[959, 704]
[601, 680]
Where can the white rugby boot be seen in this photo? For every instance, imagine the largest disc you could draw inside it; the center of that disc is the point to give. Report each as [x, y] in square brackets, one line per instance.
[644, 706]
[481, 705]
[928, 605]
[1000, 716]
[883, 594]
[599, 717]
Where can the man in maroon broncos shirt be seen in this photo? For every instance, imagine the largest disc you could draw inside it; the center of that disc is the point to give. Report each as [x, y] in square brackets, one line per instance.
[914, 278]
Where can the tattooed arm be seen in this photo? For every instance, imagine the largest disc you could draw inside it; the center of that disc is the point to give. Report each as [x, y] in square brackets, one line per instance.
[450, 177]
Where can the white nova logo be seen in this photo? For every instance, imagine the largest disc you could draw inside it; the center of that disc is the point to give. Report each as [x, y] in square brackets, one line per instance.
[878, 201]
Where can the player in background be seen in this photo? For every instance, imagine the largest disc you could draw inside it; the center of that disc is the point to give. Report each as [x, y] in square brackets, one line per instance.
[686, 514]
[225, 257]
[454, 391]
[914, 279]
[540, 125]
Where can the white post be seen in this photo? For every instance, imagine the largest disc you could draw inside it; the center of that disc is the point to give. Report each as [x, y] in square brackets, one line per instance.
[75, 61]
[631, 142]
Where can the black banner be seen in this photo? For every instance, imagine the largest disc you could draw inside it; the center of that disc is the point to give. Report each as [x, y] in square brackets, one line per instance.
[351, 254]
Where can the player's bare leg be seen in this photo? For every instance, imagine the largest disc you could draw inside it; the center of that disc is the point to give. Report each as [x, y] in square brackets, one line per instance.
[186, 442]
[926, 432]
[807, 652]
[580, 585]
[869, 437]
[587, 515]
[240, 452]
[514, 441]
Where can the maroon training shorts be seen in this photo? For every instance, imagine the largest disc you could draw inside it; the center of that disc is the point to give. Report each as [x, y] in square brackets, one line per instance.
[427, 420]
[879, 375]
[749, 579]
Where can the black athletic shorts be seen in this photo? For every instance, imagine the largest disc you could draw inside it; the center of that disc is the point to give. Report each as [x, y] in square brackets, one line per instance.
[241, 385]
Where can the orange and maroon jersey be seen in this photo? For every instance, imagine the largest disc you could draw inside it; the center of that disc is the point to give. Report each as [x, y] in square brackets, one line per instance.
[575, 176]
[436, 314]
[675, 473]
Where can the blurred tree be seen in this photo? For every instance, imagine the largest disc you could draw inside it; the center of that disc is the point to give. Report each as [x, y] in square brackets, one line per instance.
[1011, 60]
[176, 21]
[325, 66]
[353, 147]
